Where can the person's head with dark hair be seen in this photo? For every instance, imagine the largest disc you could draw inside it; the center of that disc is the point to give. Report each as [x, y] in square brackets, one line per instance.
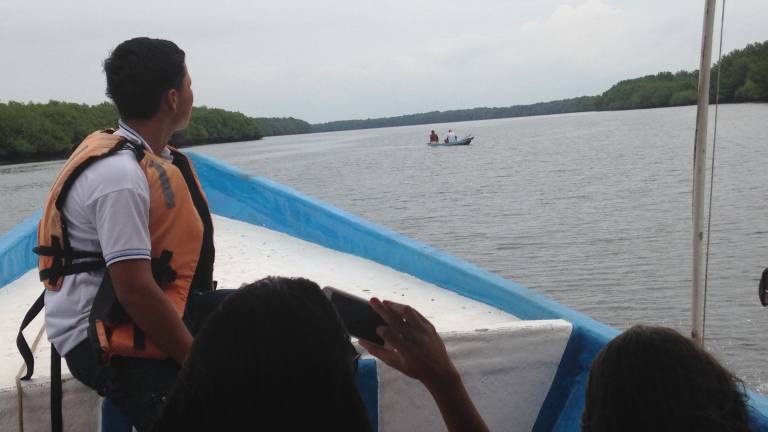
[274, 356]
[655, 379]
[149, 76]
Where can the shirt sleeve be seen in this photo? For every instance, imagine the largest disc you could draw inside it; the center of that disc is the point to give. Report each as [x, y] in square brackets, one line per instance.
[122, 223]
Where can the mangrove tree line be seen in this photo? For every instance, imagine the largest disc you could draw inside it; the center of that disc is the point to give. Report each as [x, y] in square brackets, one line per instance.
[35, 131]
[744, 78]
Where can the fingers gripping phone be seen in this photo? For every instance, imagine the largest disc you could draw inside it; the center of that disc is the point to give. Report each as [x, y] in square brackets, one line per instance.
[358, 316]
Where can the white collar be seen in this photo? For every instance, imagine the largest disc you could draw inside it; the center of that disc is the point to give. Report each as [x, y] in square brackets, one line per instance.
[131, 135]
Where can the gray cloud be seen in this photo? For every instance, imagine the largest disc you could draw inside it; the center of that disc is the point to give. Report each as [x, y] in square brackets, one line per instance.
[326, 60]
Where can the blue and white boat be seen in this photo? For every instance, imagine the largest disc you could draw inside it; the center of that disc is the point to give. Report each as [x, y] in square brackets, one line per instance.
[464, 141]
[524, 358]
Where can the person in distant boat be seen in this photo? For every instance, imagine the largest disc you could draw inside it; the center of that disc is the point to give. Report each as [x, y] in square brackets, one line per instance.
[451, 136]
[433, 138]
[126, 239]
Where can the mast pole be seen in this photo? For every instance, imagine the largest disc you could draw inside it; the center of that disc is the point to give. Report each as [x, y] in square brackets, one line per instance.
[699, 174]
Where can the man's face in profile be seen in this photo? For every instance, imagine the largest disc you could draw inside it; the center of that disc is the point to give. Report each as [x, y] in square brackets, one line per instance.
[184, 102]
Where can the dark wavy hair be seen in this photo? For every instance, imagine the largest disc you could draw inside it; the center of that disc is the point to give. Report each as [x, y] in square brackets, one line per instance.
[655, 379]
[139, 72]
[273, 356]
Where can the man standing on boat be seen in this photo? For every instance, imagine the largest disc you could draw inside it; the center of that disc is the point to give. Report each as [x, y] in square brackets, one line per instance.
[433, 138]
[126, 240]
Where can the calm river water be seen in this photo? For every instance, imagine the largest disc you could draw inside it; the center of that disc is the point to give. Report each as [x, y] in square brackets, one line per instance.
[592, 209]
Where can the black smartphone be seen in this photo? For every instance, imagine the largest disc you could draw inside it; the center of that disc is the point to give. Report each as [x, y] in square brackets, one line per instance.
[358, 316]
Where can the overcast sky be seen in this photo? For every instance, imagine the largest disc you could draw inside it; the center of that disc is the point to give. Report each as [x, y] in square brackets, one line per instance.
[322, 60]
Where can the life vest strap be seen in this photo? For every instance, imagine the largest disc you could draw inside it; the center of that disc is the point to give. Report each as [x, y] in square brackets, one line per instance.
[107, 311]
[57, 419]
[161, 268]
[203, 278]
[57, 271]
[139, 339]
[57, 422]
[62, 264]
[21, 343]
[58, 252]
[65, 188]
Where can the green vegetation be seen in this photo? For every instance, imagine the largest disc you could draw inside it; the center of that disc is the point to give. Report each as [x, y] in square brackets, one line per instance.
[652, 91]
[584, 103]
[48, 131]
[275, 126]
[209, 125]
[744, 78]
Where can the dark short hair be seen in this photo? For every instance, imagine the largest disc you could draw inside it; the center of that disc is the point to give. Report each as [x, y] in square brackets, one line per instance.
[139, 72]
[655, 379]
[273, 356]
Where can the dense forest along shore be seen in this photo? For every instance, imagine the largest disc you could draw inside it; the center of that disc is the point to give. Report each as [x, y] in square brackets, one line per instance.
[744, 78]
[37, 132]
[34, 132]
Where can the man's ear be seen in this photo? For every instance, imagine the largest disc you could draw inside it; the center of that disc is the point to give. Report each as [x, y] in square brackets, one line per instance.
[172, 99]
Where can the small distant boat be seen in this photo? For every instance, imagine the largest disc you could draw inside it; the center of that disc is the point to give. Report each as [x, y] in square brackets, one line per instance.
[463, 141]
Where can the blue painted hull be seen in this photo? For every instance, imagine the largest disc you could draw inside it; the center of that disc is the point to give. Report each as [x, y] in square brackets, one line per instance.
[259, 201]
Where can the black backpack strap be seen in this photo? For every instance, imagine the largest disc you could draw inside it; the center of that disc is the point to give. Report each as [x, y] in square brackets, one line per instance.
[57, 419]
[203, 279]
[21, 343]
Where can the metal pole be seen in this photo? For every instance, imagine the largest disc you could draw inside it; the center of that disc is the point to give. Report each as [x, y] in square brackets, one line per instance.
[699, 174]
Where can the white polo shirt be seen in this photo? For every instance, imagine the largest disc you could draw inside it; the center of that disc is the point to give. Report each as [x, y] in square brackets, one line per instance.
[107, 211]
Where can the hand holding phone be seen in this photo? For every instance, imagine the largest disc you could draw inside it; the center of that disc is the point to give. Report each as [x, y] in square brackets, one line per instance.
[358, 316]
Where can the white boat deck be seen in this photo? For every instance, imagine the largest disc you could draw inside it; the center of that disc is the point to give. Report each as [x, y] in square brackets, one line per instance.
[245, 253]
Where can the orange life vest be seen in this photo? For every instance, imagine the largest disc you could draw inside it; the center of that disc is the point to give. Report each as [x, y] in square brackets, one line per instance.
[181, 235]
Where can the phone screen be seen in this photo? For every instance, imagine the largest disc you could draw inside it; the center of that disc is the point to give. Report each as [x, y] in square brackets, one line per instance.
[358, 316]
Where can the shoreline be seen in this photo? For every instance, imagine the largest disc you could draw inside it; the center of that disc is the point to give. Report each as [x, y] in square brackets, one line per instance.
[63, 158]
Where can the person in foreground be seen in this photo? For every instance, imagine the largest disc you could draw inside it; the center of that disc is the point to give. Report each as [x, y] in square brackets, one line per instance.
[646, 379]
[273, 356]
[414, 348]
[655, 379]
[126, 239]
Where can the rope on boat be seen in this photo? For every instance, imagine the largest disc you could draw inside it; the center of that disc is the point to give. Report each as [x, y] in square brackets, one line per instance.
[712, 175]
